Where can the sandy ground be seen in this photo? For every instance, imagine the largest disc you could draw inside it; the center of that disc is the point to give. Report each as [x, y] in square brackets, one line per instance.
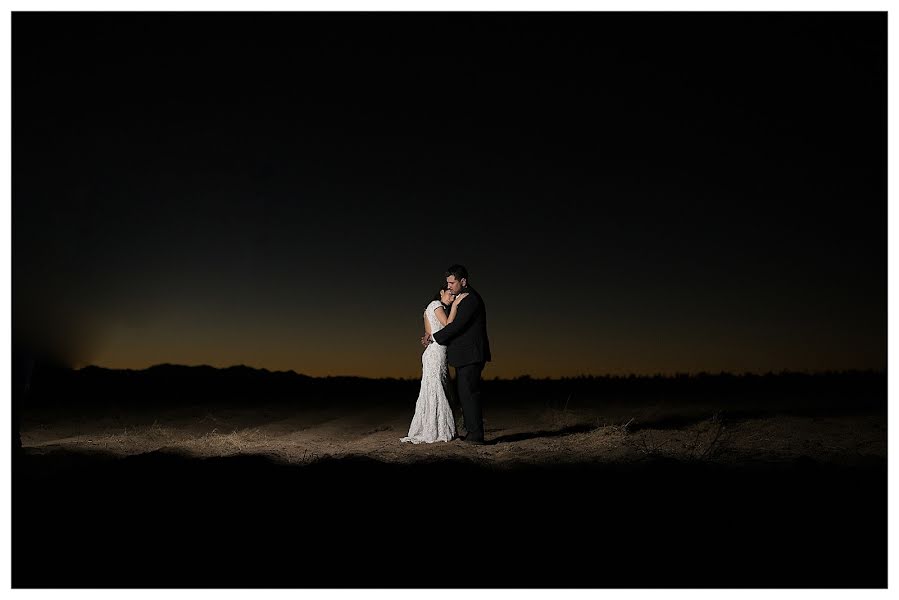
[279, 497]
[514, 436]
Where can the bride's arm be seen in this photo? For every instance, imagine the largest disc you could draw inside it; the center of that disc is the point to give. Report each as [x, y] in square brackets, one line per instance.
[456, 302]
[452, 314]
[441, 315]
[426, 338]
[466, 313]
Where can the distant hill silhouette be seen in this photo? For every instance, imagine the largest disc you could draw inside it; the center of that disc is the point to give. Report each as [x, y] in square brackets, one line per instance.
[243, 386]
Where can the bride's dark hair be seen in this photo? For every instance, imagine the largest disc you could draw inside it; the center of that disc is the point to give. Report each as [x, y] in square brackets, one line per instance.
[437, 295]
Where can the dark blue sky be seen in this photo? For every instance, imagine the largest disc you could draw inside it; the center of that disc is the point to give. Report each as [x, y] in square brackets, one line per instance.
[631, 192]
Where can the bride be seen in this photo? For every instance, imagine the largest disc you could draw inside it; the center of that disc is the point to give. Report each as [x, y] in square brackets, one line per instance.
[433, 420]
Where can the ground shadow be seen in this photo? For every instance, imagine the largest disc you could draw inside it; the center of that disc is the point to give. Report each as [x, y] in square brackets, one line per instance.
[530, 435]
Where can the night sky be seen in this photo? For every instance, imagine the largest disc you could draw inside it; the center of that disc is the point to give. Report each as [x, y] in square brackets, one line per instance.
[631, 192]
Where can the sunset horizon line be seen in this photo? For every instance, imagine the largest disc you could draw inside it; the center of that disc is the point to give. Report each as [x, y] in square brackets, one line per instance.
[524, 376]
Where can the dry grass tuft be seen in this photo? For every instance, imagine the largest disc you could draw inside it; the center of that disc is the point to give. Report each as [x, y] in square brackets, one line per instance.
[239, 440]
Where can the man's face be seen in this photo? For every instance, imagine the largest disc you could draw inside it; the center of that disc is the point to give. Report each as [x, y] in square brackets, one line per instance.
[454, 285]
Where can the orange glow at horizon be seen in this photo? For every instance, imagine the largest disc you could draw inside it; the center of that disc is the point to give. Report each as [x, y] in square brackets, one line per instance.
[337, 355]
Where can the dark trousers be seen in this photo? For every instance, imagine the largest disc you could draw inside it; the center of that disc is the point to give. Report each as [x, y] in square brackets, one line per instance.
[468, 381]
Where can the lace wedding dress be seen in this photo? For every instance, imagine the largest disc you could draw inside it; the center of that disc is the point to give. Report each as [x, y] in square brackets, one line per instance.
[433, 420]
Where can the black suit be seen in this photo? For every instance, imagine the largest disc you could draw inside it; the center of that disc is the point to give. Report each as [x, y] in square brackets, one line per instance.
[468, 349]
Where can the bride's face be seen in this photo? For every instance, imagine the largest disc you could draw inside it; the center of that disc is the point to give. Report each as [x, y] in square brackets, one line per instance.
[446, 297]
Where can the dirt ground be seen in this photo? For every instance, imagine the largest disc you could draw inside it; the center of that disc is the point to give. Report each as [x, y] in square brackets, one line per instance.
[523, 436]
[567, 497]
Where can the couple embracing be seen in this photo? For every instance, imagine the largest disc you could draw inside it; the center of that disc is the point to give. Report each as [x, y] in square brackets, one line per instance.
[456, 333]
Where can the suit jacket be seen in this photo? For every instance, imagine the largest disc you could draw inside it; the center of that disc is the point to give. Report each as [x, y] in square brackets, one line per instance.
[466, 337]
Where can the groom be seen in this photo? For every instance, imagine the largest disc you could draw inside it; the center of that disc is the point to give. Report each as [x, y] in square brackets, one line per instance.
[467, 349]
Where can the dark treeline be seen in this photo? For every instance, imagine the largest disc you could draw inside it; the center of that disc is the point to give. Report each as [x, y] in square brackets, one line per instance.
[245, 387]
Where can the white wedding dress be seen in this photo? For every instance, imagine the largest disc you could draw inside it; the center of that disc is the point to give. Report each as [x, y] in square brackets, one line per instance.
[433, 420]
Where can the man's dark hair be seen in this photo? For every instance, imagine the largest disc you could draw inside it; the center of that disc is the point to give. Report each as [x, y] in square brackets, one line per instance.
[457, 271]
